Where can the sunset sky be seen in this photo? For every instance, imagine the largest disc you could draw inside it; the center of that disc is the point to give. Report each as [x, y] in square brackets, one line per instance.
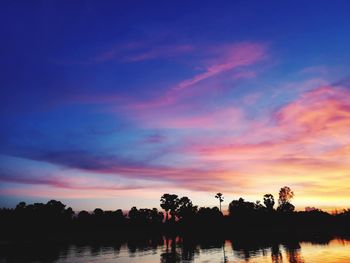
[111, 104]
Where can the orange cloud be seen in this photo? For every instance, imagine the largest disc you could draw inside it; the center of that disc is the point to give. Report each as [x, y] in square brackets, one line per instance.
[305, 144]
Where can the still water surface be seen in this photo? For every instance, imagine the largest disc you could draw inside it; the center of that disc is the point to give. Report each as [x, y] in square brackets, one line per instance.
[178, 250]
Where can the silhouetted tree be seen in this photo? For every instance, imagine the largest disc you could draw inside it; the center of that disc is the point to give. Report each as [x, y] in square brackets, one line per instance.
[55, 212]
[145, 216]
[269, 201]
[133, 214]
[258, 206]
[55, 208]
[156, 216]
[240, 207]
[83, 215]
[169, 202]
[54, 219]
[119, 213]
[209, 215]
[285, 195]
[185, 208]
[21, 205]
[220, 197]
[69, 213]
[98, 212]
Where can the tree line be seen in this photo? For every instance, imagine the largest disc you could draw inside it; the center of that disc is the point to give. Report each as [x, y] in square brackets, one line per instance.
[179, 215]
[182, 208]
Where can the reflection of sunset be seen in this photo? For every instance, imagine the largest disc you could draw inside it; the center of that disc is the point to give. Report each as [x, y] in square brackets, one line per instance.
[337, 251]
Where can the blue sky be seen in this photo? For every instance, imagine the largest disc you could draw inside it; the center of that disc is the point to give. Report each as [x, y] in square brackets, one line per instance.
[111, 104]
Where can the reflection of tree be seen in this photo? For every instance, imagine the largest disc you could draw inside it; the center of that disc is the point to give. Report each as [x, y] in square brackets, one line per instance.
[116, 248]
[246, 249]
[155, 243]
[170, 256]
[242, 252]
[132, 249]
[276, 255]
[34, 253]
[95, 249]
[224, 252]
[293, 253]
[189, 249]
[179, 250]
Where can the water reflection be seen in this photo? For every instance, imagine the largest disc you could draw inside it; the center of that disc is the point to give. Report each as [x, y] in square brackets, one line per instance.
[293, 252]
[276, 254]
[176, 249]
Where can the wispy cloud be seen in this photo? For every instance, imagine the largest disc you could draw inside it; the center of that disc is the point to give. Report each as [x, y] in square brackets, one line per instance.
[184, 119]
[306, 141]
[60, 181]
[112, 176]
[141, 51]
[231, 57]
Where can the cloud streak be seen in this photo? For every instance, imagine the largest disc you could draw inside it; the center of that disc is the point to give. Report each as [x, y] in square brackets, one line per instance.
[143, 51]
[231, 57]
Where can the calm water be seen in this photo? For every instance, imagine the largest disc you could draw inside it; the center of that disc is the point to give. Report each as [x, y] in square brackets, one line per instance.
[178, 250]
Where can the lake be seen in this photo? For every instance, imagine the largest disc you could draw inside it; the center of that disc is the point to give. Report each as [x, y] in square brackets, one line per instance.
[181, 250]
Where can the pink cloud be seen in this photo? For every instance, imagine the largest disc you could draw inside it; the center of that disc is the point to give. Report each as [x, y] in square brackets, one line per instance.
[310, 133]
[322, 111]
[125, 177]
[214, 60]
[184, 119]
[314, 124]
[227, 58]
[231, 57]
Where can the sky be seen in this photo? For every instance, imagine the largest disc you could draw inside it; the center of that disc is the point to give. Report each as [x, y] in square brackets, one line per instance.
[111, 104]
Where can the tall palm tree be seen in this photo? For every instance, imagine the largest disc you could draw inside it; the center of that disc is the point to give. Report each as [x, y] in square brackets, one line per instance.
[220, 197]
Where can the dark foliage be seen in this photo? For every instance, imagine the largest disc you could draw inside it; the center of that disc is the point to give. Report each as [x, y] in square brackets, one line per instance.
[55, 221]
